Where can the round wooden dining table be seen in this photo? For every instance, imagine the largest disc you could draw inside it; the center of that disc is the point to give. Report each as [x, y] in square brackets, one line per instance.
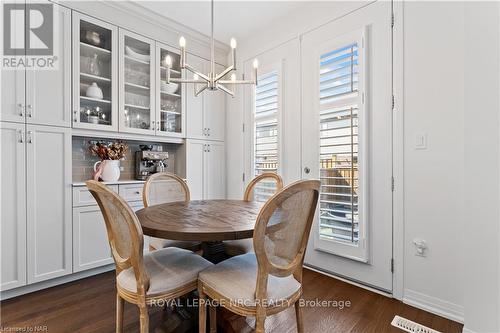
[207, 221]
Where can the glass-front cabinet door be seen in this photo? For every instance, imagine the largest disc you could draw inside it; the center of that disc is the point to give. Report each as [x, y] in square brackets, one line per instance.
[95, 79]
[136, 84]
[170, 120]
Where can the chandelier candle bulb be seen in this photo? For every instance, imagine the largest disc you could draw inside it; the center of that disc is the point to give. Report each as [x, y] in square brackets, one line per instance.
[233, 52]
[182, 44]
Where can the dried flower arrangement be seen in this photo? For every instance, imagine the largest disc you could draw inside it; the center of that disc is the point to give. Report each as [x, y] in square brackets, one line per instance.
[109, 151]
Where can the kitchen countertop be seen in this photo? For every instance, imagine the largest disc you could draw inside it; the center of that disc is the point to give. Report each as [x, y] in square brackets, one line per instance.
[118, 182]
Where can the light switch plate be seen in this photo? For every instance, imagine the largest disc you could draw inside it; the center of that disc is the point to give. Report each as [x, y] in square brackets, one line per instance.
[421, 140]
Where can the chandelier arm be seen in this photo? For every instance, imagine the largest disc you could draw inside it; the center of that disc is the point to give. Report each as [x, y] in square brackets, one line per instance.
[224, 89]
[224, 72]
[178, 80]
[194, 71]
[236, 82]
[197, 92]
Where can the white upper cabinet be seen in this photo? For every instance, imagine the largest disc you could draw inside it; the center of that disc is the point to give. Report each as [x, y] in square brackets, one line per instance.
[194, 105]
[48, 92]
[206, 112]
[214, 110]
[170, 98]
[13, 203]
[136, 92]
[95, 74]
[48, 180]
[41, 96]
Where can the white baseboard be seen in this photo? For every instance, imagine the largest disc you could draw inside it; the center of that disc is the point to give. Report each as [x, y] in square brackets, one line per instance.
[54, 282]
[466, 330]
[434, 305]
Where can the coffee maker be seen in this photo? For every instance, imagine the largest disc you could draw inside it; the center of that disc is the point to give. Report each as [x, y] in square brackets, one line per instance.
[148, 162]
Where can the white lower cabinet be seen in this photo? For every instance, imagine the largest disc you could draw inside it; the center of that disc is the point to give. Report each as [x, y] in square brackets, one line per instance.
[13, 205]
[48, 191]
[36, 203]
[90, 240]
[205, 169]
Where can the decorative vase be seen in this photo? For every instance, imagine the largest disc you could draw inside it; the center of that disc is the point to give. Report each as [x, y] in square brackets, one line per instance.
[107, 170]
[94, 91]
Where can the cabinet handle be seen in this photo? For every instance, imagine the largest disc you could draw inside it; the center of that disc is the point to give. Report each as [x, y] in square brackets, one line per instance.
[21, 106]
[30, 139]
[208, 148]
[21, 136]
[75, 116]
[30, 109]
[208, 131]
[157, 126]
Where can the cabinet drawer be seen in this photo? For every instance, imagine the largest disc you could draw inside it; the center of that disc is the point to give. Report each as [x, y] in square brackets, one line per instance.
[131, 192]
[82, 196]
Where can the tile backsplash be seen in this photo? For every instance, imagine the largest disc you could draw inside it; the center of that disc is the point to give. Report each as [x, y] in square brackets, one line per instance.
[83, 161]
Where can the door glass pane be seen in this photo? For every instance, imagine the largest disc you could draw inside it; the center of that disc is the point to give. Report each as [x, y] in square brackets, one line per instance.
[95, 74]
[338, 92]
[266, 133]
[170, 95]
[137, 79]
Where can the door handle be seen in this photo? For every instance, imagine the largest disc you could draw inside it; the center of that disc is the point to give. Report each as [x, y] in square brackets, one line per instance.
[307, 170]
[21, 106]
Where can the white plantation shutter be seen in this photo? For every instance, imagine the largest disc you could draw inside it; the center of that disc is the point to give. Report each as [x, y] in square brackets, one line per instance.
[339, 98]
[266, 137]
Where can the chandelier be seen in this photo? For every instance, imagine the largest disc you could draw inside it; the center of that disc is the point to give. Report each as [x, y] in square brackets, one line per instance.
[211, 81]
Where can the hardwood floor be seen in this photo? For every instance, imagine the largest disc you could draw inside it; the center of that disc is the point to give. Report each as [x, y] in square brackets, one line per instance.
[88, 305]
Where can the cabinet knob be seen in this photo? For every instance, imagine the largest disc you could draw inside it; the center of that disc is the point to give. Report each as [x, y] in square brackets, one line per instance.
[21, 107]
[137, 192]
[307, 170]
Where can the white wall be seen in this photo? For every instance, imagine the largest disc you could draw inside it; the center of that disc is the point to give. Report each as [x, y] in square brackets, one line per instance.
[433, 178]
[451, 189]
[482, 168]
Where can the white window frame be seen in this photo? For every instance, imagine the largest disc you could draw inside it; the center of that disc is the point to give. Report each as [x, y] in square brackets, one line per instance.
[251, 121]
[359, 252]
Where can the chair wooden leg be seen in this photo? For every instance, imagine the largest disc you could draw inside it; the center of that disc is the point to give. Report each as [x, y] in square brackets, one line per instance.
[298, 315]
[202, 315]
[119, 313]
[144, 318]
[260, 321]
[213, 319]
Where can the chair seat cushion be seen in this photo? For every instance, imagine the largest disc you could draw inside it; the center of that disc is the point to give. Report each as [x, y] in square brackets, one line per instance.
[168, 269]
[238, 247]
[158, 243]
[236, 279]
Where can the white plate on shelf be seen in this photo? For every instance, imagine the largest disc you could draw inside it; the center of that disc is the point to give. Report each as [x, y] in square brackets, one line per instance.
[135, 54]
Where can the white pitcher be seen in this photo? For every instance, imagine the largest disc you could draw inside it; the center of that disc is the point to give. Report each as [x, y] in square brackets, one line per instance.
[110, 170]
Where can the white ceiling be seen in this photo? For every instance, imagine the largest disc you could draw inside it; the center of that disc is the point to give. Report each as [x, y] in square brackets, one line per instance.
[238, 19]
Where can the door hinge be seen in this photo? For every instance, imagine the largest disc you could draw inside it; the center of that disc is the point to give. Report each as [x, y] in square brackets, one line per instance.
[392, 184]
[392, 265]
[392, 20]
[393, 102]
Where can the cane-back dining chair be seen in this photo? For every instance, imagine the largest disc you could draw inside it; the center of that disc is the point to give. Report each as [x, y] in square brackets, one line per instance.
[261, 188]
[270, 280]
[160, 275]
[161, 188]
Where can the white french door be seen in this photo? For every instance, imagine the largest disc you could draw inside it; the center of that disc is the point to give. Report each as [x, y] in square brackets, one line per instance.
[346, 142]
